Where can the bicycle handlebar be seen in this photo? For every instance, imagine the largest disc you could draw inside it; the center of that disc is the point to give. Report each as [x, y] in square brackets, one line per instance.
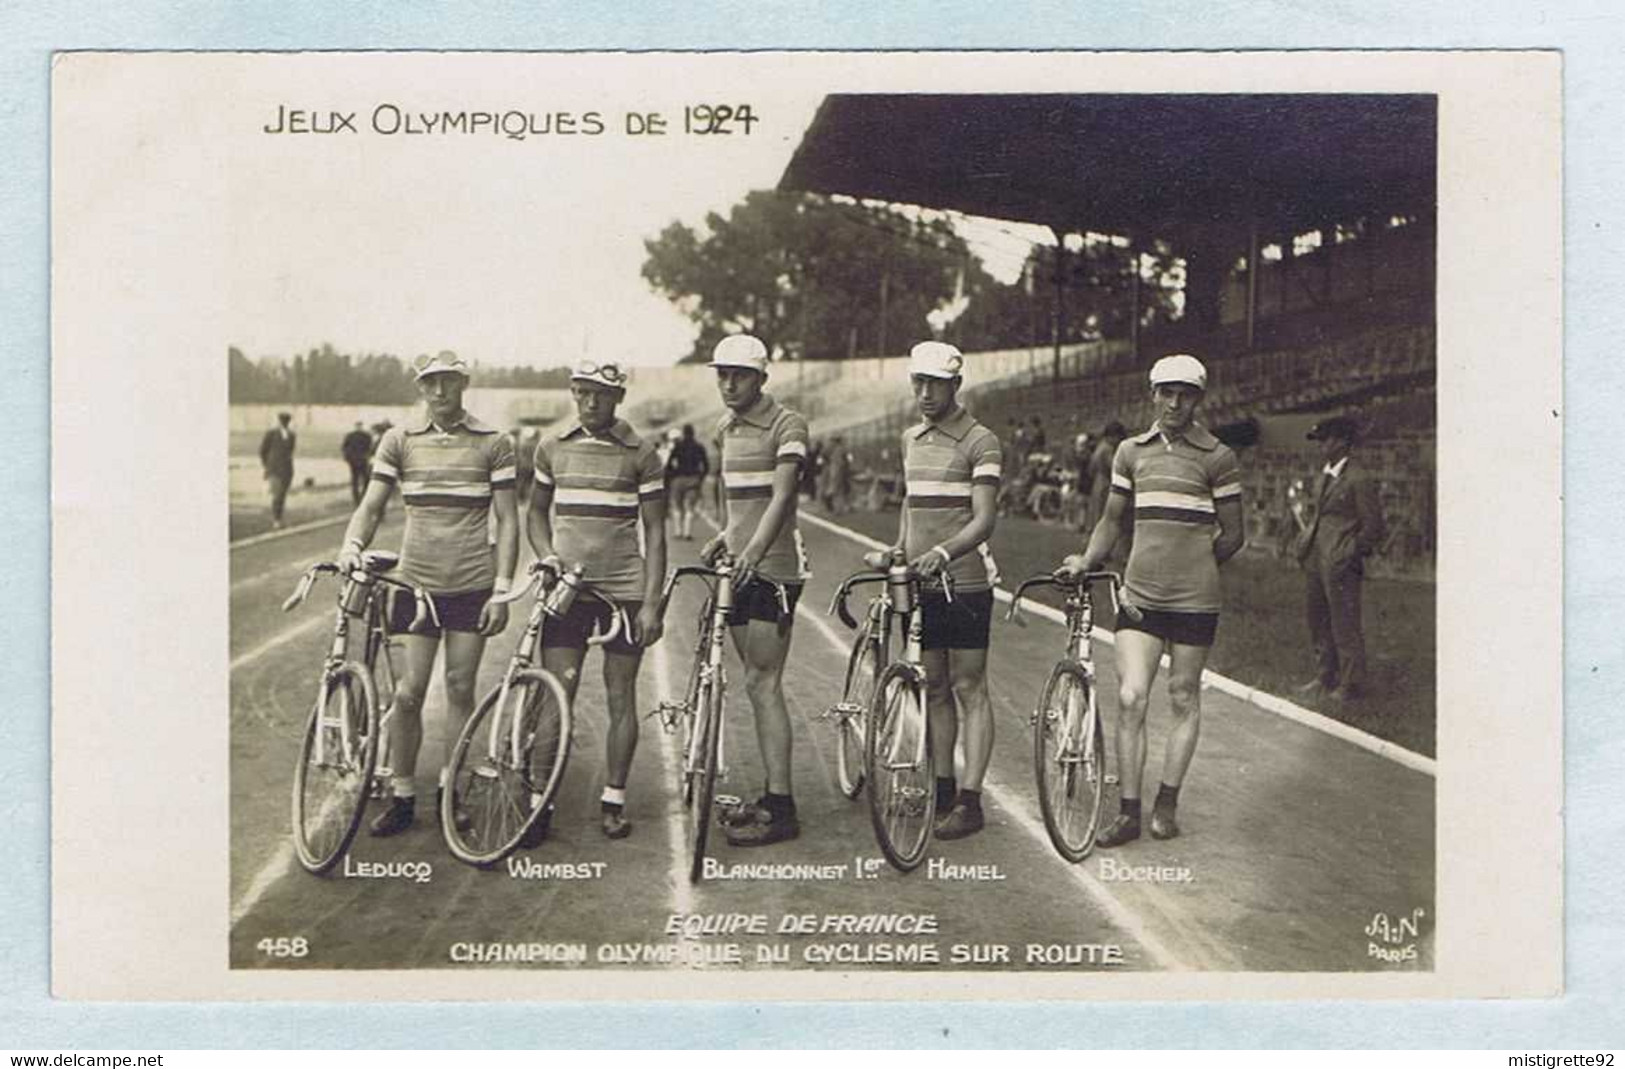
[424, 603]
[544, 576]
[838, 606]
[724, 568]
[1114, 584]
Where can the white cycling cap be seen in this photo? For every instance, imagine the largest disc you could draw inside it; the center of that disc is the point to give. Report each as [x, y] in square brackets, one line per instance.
[740, 350]
[936, 359]
[1180, 367]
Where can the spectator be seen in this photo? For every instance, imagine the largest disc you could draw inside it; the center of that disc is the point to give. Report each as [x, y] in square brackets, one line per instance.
[357, 450]
[686, 469]
[1346, 527]
[838, 477]
[1037, 440]
[276, 458]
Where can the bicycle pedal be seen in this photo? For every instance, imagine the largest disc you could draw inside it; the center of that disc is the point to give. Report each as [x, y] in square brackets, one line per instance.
[728, 801]
[842, 711]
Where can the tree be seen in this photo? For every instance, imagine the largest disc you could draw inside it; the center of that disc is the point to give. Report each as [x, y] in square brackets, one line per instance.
[808, 275]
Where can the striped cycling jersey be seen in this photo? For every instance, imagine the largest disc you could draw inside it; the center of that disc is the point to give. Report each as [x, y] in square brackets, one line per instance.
[596, 484]
[1175, 486]
[941, 462]
[447, 478]
[753, 444]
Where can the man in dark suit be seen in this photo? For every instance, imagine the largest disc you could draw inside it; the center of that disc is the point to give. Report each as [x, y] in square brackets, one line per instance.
[276, 457]
[357, 449]
[1345, 528]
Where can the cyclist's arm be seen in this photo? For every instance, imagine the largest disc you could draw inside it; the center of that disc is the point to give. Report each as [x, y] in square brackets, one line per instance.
[539, 521]
[505, 505]
[1232, 528]
[1104, 536]
[1227, 505]
[984, 510]
[786, 477]
[368, 515]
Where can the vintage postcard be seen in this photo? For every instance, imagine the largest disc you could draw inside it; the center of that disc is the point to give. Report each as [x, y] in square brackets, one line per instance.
[463, 610]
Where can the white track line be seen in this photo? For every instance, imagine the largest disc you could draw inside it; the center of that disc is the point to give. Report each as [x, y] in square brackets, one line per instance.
[281, 638]
[272, 536]
[682, 892]
[1255, 697]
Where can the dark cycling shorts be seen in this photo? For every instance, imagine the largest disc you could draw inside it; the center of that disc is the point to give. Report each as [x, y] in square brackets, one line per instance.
[961, 624]
[458, 612]
[760, 601]
[1185, 628]
[586, 616]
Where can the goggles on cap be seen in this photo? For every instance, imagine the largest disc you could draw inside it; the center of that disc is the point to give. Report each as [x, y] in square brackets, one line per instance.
[445, 361]
[607, 374]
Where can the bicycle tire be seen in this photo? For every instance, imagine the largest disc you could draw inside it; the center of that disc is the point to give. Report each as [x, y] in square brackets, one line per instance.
[691, 697]
[1069, 760]
[506, 796]
[902, 794]
[330, 789]
[863, 666]
[703, 775]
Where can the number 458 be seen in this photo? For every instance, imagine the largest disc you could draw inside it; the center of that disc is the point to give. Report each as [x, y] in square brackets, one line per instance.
[283, 947]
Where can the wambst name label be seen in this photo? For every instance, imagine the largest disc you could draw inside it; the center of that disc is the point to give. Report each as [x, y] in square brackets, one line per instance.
[525, 868]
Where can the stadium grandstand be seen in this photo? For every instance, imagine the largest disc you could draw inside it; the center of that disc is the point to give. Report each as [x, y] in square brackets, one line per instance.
[1305, 227]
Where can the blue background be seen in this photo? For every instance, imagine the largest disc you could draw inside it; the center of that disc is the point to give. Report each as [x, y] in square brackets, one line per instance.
[1588, 33]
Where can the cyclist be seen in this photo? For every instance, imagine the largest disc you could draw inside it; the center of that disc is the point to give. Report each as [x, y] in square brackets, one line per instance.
[1185, 491]
[762, 446]
[454, 472]
[597, 483]
[952, 466]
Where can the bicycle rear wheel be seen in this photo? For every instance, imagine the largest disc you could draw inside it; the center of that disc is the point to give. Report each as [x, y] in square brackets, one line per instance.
[336, 760]
[503, 778]
[701, 772]
[1069, 757]
[865, 662]
[902, 781]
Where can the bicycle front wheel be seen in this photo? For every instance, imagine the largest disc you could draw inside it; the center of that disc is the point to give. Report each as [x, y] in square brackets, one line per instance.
[701, 772]
[506, 766]
[902, 781]
[1069, 757]
[865, 662]
[336, 762]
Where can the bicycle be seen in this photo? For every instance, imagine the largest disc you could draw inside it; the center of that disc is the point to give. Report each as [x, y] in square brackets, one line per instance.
[699, 714]
[897, 751]
[871, 646]
[338, 770]
[509, 759]
[1069, 738]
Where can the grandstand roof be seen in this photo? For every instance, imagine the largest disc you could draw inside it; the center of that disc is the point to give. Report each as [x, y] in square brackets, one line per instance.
[1127, 163]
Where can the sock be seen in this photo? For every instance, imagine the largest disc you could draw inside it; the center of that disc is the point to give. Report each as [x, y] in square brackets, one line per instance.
[945, 793]
[613, 796]
[971, 800]
[403, 787]
[780, 805]
[1167, 797]
[1130, 807]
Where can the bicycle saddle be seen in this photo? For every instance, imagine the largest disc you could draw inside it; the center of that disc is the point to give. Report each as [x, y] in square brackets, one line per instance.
[378, 561]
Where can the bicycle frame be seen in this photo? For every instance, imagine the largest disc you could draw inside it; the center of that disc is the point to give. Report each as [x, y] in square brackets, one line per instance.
[553, 600]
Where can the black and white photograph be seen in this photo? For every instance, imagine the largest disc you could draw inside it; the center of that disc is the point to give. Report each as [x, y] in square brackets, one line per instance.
[753, 525]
